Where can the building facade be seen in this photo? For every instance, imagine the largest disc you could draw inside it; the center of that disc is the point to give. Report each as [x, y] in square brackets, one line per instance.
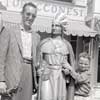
[93, 20]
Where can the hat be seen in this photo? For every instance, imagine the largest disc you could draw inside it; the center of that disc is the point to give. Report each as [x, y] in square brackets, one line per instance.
[61, 20]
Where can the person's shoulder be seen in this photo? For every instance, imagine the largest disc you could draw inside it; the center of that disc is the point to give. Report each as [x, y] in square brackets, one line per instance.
[67, 42]
[46, 45]
[45, 40]
[36, 34]
[11, 29]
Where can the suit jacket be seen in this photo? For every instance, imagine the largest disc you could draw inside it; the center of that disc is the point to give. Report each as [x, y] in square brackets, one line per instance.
[11, 55]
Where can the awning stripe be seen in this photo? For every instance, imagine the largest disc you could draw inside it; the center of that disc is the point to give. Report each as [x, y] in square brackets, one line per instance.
[75, 28]
[43, 24]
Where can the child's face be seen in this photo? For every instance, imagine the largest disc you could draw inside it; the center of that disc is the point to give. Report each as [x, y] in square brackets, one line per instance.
[84, 64]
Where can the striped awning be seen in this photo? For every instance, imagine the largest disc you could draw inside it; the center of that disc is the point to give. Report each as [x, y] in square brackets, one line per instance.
[78, 28]
[43, 24]
[75, 28]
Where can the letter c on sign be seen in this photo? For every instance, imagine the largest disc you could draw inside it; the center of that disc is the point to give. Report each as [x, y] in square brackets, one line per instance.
[46, 7]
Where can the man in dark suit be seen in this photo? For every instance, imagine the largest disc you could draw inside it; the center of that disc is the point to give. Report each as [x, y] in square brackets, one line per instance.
[18, 57]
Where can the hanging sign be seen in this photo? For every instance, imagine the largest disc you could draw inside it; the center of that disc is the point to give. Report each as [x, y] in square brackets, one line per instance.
[49, 9]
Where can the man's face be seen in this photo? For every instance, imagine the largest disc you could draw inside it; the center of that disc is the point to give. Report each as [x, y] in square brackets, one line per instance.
[28, 15]
[84, 64]
[56, 29]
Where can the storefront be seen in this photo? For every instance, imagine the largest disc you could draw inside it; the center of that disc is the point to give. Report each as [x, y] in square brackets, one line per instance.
[93, 21]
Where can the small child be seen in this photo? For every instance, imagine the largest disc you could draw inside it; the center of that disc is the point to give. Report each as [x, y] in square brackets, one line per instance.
[82, 86]
[82, 76]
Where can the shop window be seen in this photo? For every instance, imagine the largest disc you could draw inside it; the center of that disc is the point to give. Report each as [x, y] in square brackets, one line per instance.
[98, 77]
[73, 41]
[86, 44]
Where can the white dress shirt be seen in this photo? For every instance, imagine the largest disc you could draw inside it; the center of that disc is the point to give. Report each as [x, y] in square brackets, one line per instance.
[26, 43]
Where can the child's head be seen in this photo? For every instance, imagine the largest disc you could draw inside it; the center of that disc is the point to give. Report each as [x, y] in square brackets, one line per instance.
[84, 61]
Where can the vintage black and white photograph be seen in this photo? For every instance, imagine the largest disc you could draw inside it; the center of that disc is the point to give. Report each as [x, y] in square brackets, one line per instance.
[49, 50]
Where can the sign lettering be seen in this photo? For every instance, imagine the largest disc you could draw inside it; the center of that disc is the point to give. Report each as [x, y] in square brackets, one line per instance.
[48, 9]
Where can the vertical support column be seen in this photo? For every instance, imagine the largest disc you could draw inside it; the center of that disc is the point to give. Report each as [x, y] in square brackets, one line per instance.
[94, 57]
[79, 49]
[0, 20]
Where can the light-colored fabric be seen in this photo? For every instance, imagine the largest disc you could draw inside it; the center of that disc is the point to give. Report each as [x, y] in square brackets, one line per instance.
[54, 87]
[11, 58]
[82, 98]
[55, 45]
[52, 81]
[27, 44]
[89, 97]
[25, 93]
[25, 86]
[83, 87]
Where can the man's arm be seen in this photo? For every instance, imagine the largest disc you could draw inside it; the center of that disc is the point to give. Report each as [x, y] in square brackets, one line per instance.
[4, 41]
[71, 54]
[83, 77]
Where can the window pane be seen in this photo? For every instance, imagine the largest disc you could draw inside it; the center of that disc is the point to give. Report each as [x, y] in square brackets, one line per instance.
[73, 43]
[98, 79]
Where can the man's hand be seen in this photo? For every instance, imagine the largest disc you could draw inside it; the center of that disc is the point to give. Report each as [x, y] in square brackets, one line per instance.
[3, 87]
[40, 71]
[66, 71]
[67, 66]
